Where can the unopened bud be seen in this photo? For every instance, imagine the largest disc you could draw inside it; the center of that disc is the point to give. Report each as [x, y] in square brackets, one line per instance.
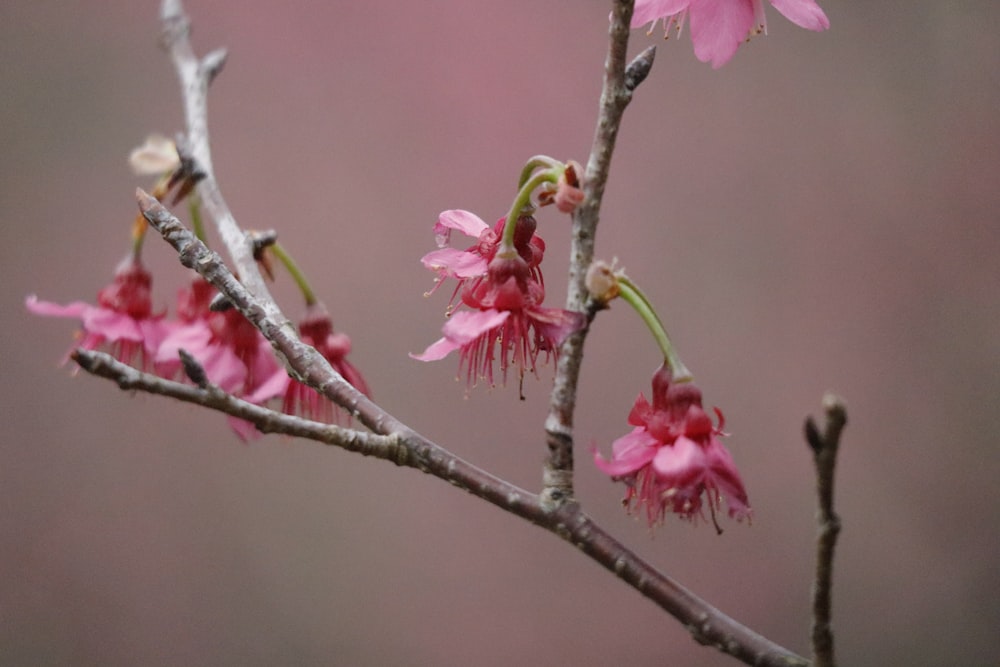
[568, 193]
[602, 282]
[157, 155]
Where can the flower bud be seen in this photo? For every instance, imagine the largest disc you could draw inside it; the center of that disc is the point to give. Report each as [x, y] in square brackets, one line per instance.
[602, 282]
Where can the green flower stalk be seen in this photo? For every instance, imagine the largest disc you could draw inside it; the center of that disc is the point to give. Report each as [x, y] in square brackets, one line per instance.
[295, 272]
[604, 284]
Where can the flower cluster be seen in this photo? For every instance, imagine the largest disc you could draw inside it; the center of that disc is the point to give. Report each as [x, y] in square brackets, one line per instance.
[718, 27]
[235, 356]
[673, 461]
[501, 286]
[122, 320]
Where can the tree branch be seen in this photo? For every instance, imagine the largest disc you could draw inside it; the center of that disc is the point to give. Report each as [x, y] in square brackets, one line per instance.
[824, 447]
[212, 397]
[619, 83]
[404, 446]
[706, 624]
[195, 76]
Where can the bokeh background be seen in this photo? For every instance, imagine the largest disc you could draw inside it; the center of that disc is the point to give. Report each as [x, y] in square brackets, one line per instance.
[821, 213]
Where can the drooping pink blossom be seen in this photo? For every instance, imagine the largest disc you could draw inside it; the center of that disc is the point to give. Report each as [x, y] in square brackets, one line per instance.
[235, 356]
[673, 460]
[505, 322]
[316, 329]
[472, 262]
[718, 27]
[122, 321]
[194, 333]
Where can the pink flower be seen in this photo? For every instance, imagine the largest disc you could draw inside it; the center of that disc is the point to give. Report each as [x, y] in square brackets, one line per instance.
[316, 329]
[673, 457]
[505, 319]
[123, 319]
[235, 356]
[194, 333]
[473, 262]
[719, 26]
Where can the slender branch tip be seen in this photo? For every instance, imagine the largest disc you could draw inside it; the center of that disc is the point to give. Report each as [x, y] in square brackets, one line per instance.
[211, 65]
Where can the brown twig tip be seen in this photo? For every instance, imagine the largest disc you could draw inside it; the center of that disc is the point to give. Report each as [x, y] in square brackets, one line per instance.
[824, 445]
[155, 213]
[639, 68]
[82, 359]
[836, 418]
[146, 200]
[835, 408]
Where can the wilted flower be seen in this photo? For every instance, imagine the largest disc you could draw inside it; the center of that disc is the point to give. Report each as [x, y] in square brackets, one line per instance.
[602, 282]
[673, 458]
[718, 27]
[156, 156]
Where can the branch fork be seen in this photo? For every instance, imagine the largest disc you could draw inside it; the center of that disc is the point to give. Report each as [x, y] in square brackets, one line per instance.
[555, 508]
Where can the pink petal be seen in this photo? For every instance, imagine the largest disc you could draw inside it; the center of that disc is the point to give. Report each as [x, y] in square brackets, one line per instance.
[462, 328]
[639, 438]
[154, 331]
[194, 338]
[718, 27]
[647, 11]
[244, 429]
[631, 453]
[641, 412]
[681, 465]
[556, 324]
[455, 263]
[264, 366]
[803, 13]
[112, 325]
[726, 478]
[220, 362]
[273, 386]
[49, 309]
[223, 367]
[468, 223]
[437, 350]
[465, 326]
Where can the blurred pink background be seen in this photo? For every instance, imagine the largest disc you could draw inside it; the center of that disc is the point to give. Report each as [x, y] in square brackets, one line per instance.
[821, 213]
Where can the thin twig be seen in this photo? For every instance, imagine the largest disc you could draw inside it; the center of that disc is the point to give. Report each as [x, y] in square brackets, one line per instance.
[211, 396]
[619, 83]
[705, 623]
[824, 447]
[195, 76]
